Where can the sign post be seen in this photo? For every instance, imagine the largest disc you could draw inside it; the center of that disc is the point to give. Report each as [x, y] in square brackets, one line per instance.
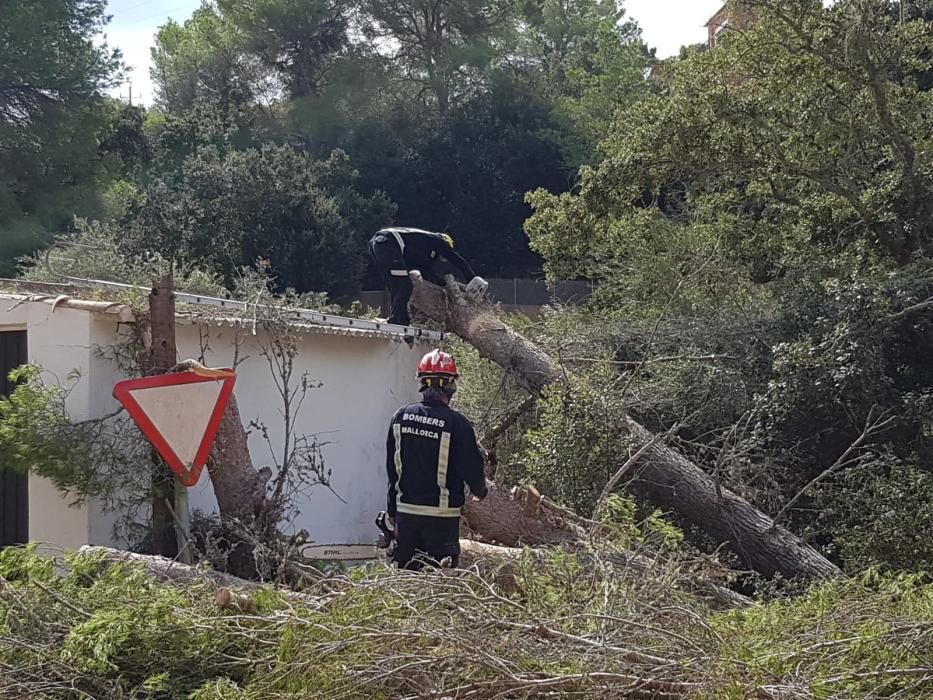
[183, 523]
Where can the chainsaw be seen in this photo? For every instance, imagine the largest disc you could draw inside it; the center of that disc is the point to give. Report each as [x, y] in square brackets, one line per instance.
[355, 552]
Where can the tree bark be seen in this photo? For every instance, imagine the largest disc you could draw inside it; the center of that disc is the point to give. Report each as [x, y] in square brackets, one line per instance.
[239, 487]
[661, 475]
[497, 562]
[160, 358]
[517, 517]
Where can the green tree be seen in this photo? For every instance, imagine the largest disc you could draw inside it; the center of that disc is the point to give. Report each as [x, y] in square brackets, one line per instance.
[442, 47]
[52, 74]
[771, 203]
[203, 59]
[589, 60]
[466, 172]
[298, 40]
[801, 135]
[175, 137]
[231, 209]
[450, 107]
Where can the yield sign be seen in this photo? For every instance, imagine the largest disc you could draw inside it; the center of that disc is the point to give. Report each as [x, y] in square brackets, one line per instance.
[180, 414]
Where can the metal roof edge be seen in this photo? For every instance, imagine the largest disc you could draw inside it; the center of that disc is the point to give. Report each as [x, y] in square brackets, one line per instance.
[194, 318]
[308, 316]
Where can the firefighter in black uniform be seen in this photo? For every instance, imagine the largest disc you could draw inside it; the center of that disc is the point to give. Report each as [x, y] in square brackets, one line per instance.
[431, 452]
[396, 251]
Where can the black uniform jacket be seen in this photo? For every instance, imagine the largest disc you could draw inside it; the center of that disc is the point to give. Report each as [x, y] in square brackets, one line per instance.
[431, 452]
[420, 249]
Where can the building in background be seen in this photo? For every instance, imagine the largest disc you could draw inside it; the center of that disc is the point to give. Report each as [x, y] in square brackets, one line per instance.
[365, 370]
[727, 20]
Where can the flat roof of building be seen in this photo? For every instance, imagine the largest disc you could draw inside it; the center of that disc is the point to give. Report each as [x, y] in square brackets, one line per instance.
[84, 295]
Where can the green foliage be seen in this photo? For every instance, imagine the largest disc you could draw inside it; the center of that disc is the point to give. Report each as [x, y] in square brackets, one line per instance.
[467, 170]
[836, 636]
[112, 630]
[200, 60]
[574, 451]
[766, 211]
[52, 117]
[621, 516]
[32, 420]
[109, 630]
[95, 459]
[298, 40]
[115, 618]
[454, 110]
[484, 391]
[880, 512]
[226, 210]
[589, 60]
[442, 48]
[67, 63]
[97, 251]
[836, 162]
[448, 108]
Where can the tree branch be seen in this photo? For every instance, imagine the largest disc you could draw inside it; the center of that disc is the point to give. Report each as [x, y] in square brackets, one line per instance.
[871, 427]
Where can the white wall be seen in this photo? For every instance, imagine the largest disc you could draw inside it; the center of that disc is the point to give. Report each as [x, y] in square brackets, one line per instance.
[104, 371]
[364, 381]
[58, 341]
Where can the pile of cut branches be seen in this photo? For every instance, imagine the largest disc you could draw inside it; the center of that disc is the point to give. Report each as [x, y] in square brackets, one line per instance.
[95, 628]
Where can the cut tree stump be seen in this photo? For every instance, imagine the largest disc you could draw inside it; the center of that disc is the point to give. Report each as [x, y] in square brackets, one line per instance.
[239, 487]
[517, 517]
[661, 475]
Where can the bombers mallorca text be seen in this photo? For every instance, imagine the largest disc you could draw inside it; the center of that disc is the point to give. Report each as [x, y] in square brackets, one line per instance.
[420, 432]
[415, 418]
[424, 420]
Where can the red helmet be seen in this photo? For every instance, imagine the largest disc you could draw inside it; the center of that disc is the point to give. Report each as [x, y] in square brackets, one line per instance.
[437, 364]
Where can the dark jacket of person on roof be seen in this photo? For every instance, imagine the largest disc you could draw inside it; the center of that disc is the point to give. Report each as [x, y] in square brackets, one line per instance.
[396, 251]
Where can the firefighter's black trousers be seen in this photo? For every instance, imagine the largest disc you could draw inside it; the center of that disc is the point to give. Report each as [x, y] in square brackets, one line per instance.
[426, 540]
[388, 258]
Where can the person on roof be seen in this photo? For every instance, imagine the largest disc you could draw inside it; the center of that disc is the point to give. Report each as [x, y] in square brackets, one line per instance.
[431, 454]
[397, 251]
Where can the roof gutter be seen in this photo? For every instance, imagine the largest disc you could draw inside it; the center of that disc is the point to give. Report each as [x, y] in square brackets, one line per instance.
[306, 315]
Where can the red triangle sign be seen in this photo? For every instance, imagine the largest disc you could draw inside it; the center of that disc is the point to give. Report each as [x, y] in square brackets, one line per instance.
[180, 414]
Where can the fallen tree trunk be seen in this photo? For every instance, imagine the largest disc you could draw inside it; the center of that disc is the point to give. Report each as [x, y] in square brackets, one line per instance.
[165, 569]
[661, 475]
[239, 487]
[516, 517]
[498, 563]
[171, 571]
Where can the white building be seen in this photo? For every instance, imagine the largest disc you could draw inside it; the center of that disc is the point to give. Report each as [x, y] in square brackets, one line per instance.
[366, 370]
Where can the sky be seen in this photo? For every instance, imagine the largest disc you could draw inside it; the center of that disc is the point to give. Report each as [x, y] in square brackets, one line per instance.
[666, 25]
